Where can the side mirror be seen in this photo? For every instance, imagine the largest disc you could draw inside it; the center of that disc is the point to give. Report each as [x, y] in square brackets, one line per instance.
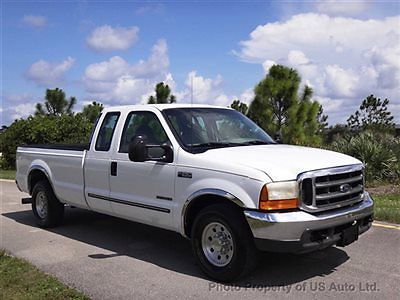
[140, 151]
[168, 155]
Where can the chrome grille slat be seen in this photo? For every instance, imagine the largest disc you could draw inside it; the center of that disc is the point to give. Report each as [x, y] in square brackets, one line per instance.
[325, 196]
[331, 188]
[350, 201]
[338, 182]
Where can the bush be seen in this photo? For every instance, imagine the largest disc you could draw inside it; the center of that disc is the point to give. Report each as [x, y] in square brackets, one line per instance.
[42, 129]
[380, 154]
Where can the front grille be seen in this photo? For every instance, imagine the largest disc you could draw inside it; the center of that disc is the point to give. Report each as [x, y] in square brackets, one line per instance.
[331, 188]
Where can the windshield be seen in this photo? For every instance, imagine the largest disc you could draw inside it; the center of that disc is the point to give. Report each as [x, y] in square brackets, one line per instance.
[203, 128]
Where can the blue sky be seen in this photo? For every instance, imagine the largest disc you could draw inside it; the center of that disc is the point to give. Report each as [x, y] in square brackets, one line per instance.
[115, 52]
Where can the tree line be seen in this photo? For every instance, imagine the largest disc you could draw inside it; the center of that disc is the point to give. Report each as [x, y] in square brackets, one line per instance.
[281, 106]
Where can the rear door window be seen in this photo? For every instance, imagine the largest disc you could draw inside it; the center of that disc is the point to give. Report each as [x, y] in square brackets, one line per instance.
[106, 132]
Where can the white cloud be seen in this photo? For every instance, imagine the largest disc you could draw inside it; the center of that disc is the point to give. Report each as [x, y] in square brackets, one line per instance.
[107, 38]
[16, 106]
[267, 65]
[107, 70]
[386, 62]
[210, 91]
[342, 7]
[205, 90]
[156, 8]
[17, 98]
[118, 81]
[47, 73]
[343, 59]
[329, 104]
[340, 82]
[297, 57]
[157, 61]
[34, 21]
[22, 110]
[247, 96]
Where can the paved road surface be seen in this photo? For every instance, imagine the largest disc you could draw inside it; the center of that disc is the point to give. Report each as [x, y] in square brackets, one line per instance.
[109, 258]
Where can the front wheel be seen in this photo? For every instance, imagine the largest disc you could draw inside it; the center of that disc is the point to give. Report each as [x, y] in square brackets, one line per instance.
[46, 208]
[222, 243]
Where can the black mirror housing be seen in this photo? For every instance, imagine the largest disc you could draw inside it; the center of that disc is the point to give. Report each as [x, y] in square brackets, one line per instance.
[139, 151]
[168, 156]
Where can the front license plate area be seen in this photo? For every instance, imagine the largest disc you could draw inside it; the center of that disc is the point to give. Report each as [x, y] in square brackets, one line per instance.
[349, 235]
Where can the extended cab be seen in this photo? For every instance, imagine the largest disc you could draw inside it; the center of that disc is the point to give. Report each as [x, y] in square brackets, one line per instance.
[206, 172]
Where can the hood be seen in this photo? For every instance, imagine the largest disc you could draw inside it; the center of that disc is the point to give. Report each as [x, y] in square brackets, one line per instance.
[280, 162]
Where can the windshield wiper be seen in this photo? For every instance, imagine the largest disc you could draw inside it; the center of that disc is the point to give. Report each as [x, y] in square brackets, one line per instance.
[215, 145]
[229, 144]
[256, 142]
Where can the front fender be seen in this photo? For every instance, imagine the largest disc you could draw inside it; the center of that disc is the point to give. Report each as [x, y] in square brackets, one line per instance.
[240, 190]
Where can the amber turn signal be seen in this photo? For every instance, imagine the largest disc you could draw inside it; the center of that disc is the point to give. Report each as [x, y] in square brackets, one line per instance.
[266, 204]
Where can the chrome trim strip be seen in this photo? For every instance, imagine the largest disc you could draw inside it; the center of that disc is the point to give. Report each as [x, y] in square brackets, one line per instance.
[334, 170]
[119, 201]
[52, 153]
[290, 226]
[215, 192]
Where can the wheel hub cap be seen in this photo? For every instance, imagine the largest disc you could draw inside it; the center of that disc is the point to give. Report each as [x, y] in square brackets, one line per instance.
[41, 204]
[217, 244]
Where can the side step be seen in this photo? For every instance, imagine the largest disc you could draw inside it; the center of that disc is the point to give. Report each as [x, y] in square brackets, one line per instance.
[26, 200]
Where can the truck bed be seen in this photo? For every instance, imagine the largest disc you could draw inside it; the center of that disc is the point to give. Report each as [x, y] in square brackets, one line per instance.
[62, 164]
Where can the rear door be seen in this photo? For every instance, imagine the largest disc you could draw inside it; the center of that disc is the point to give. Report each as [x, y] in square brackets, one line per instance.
[142, 191]
[98, 164]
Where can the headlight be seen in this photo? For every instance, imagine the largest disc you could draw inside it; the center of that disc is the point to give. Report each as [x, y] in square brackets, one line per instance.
[279, 195]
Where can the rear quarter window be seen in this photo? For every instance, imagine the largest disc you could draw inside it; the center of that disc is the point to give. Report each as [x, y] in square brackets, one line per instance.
[106, 132]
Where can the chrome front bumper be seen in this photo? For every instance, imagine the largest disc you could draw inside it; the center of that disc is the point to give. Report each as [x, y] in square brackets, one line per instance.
[301, 231]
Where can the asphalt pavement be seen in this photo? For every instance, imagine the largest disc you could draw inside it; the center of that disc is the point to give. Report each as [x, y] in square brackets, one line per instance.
[110, 258]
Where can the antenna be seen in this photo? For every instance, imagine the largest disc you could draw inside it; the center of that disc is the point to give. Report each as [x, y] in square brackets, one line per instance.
[191, 111]
[191, 89]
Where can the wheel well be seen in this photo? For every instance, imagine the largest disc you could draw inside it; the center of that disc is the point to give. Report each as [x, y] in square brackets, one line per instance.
[34, 177]
[199, 203]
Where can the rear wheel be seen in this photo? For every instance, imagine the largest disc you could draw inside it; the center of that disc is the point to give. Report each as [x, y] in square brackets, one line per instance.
[46, 208]
[222, 243]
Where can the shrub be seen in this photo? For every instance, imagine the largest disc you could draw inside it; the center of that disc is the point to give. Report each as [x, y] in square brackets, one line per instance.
[42, 129]
[380, 154]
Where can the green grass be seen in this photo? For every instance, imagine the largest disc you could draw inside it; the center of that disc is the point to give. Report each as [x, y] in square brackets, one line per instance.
[7, 174]
[21, 280]
[387, 208]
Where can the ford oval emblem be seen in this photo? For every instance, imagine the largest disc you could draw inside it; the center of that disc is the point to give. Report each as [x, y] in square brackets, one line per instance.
[344, 188]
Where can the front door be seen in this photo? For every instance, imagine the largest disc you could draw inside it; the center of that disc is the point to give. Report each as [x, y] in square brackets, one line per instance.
[142, 191]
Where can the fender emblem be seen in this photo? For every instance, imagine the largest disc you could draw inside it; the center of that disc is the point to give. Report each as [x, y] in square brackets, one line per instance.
[185, 174]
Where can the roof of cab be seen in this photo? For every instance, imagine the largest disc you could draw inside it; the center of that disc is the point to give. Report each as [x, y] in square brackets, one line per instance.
[161, 106]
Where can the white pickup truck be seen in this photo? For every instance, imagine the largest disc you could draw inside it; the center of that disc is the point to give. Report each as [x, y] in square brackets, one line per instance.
[208, 173]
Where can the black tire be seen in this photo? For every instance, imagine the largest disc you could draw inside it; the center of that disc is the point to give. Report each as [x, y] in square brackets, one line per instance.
[53, 212]
[245, 254]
